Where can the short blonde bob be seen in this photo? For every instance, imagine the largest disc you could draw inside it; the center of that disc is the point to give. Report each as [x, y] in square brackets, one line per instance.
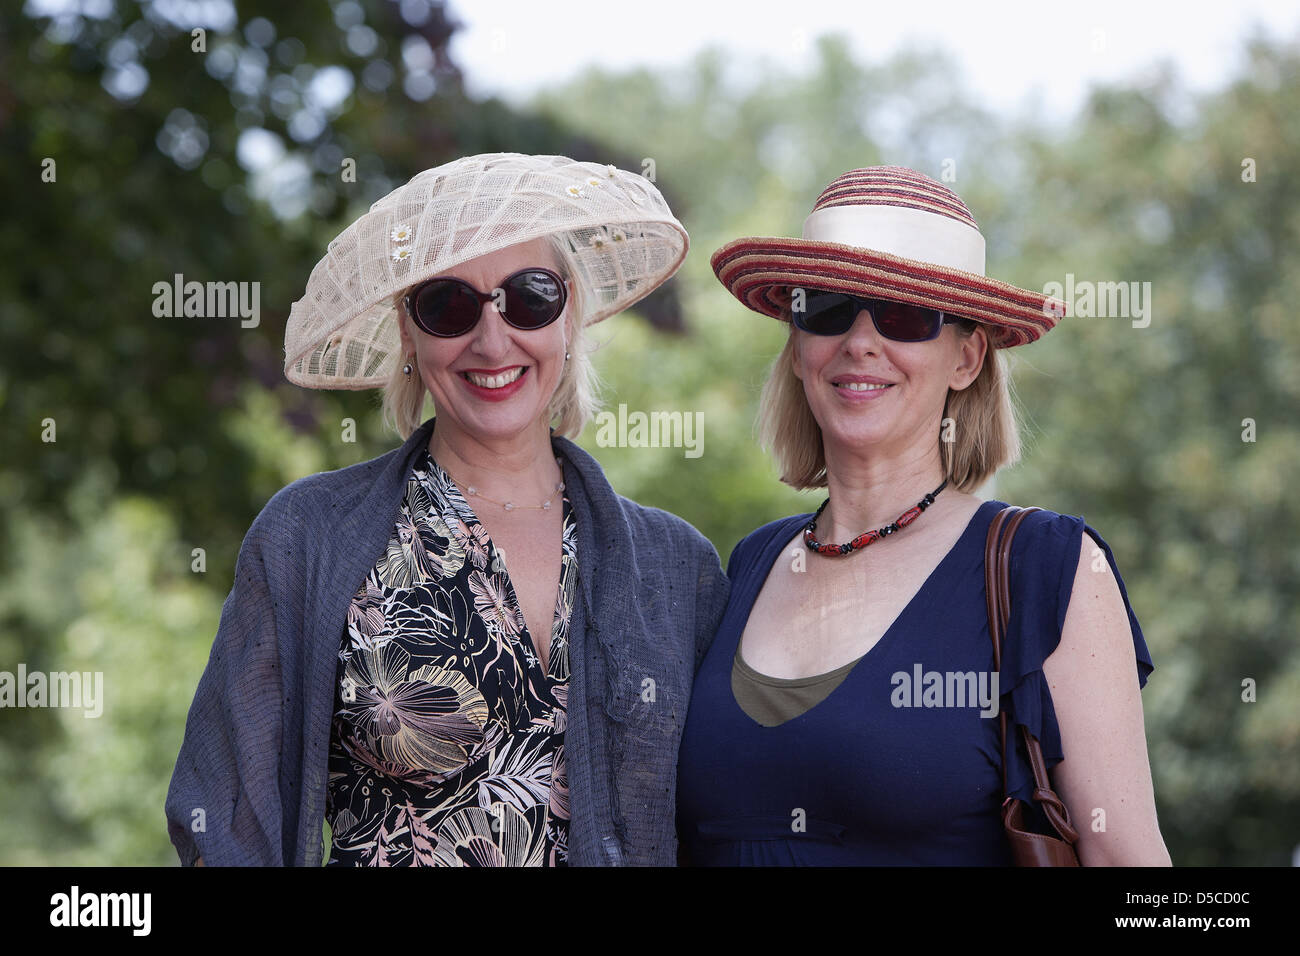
[982, 435]
[576, 397]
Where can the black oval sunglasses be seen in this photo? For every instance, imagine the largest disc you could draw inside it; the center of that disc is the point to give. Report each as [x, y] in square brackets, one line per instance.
[529, 299]
[833, 313]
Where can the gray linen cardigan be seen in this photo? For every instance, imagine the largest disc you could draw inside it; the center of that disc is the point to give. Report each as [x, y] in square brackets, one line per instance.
[249, 785]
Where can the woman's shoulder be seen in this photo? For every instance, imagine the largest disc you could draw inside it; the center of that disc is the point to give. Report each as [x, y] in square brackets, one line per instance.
[1042, 529]
[650, 527]
[746, 554]
[1053, 551]
[321, 496]
[1058, 543]
[654, 527]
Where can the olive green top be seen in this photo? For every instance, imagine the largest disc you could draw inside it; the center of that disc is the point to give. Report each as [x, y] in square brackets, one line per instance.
[774, 700]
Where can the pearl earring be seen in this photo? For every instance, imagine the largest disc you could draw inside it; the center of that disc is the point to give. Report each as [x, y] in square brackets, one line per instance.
[406, 369]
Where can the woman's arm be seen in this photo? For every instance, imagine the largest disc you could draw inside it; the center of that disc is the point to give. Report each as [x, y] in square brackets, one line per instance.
[1093, 680]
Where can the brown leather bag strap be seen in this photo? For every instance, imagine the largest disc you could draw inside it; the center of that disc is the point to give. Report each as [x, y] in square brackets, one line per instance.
[995, 618]
[997, 592]
[997, 596]
[1057, 813]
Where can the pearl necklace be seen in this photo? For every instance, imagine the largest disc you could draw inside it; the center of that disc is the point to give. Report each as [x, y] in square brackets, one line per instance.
[473, 492]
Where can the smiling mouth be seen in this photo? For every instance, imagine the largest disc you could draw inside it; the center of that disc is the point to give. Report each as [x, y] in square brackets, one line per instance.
[495, 381]
[861, 386]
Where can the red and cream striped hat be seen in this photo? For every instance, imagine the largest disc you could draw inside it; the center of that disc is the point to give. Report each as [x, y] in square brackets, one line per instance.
[892, 233]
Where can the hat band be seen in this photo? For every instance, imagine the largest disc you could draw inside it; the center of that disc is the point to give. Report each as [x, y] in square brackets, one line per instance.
[898, 231]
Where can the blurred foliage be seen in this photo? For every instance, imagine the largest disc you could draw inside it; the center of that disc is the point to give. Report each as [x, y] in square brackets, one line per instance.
[173, 433]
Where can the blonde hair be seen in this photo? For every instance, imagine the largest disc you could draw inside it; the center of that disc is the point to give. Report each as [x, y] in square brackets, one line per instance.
[985, 432]
[576, 397]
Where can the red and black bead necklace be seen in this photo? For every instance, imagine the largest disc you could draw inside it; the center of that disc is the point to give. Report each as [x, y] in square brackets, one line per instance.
[867, 537]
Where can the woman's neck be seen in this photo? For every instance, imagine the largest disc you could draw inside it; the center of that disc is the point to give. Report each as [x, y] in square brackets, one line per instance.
[520, 467]
[869, 492]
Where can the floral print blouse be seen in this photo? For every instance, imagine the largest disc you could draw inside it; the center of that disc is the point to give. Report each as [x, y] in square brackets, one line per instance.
[447, 743]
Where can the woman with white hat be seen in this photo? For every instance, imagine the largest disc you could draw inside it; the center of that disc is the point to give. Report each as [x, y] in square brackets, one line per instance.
[844, 712]
[468, 651]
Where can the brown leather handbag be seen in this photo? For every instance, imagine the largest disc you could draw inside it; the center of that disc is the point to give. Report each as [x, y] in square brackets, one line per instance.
[1027, 848]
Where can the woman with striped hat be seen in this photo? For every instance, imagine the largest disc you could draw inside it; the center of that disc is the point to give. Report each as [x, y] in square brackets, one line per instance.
[852, 708]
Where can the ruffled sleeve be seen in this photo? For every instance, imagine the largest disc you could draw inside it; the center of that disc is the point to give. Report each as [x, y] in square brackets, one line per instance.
[1044, 560]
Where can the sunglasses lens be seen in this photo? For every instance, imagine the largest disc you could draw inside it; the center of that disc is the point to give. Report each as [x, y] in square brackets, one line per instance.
[528, 300]
[906, 323]
[533, 299]
[445, 307]
[826, 313]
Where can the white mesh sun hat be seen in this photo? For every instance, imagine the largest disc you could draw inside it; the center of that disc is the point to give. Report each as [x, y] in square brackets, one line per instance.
[623, 239]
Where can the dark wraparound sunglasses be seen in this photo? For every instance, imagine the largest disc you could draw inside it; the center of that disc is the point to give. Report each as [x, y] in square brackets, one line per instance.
[833, 313]
[530, 299]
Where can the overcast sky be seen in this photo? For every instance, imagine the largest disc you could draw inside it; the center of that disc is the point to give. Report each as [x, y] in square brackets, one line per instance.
[1011, 53]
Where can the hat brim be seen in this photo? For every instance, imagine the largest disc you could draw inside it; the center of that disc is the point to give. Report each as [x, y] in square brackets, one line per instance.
[364, 348]
[761, 271]
[622, 242]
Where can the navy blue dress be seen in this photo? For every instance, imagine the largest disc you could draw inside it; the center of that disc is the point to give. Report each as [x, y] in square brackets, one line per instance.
[876, 774]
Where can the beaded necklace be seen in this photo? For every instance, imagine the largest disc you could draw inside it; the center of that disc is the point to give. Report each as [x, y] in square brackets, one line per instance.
[867, 537]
